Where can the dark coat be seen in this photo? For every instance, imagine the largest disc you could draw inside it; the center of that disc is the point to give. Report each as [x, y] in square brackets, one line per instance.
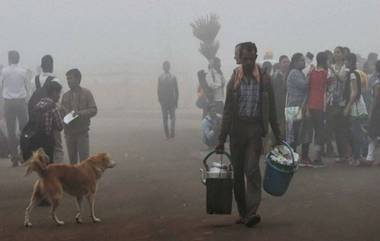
[268, 108]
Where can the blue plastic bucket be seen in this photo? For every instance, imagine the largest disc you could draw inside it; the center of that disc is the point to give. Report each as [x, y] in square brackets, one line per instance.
[276, 180]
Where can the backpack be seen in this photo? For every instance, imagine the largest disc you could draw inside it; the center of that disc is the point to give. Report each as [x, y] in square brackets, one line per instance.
[38, 94]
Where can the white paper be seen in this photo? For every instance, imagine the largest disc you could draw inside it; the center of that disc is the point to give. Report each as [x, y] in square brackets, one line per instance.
[69, 118]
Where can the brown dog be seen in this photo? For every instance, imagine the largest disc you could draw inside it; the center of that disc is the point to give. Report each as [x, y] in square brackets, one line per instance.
[78, 180]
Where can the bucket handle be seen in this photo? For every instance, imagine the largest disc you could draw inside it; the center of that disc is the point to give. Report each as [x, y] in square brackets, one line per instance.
[212, 153]
[290, 150]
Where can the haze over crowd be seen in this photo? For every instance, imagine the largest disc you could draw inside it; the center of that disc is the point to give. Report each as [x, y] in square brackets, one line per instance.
[138, 35]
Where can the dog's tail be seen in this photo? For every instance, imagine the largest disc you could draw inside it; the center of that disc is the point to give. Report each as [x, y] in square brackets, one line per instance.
[37, 163]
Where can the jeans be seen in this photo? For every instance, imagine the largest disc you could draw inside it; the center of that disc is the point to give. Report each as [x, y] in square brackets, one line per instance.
[358, 139]
[168, 111]
[78, 145]
[15, 110]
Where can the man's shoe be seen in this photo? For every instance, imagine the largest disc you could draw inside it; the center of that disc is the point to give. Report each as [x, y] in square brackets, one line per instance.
[240, 221]
[253, 221]
[305, 163]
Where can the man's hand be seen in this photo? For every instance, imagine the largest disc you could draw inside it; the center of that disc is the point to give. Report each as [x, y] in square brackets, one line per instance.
[219, 148]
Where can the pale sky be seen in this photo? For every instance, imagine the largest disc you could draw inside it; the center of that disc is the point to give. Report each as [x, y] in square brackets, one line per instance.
[116, 34]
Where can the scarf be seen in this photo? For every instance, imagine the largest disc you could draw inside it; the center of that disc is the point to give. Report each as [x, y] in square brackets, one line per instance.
[240, 74]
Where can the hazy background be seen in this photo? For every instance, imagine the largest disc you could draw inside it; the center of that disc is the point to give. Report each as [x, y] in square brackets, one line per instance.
[126, 41]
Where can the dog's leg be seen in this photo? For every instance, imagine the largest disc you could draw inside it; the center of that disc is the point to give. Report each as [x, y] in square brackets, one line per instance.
[54, 205]
[32, 204]
[91, 202]
[78, 217]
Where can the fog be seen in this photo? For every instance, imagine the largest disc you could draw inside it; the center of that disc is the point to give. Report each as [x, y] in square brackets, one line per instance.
[128, 40]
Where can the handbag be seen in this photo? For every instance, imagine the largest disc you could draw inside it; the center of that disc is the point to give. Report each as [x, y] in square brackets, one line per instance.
[293, 113]
[359, 109]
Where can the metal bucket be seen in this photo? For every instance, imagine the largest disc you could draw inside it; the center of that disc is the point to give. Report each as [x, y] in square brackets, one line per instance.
[218, 179]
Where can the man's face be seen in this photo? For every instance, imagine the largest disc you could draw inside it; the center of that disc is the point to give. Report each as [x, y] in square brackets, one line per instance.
[284, 64]
[237, 57]
[72, 82]
[56, 96]
[338, 54]
[348, 63]
[248, 59]
[301, 64]
[166, 67]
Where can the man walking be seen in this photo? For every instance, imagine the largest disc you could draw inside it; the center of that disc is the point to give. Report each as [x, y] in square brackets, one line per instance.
[15, 90]
[249, 107]
[80, 101]
[216, 82]
[168, 97]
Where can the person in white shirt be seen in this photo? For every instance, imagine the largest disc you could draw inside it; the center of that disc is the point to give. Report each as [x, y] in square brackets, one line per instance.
[46, 75]
[216, 81]
[15, 91]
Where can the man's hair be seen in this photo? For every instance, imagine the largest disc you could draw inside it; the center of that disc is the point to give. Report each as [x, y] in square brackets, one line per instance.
[75, 73]
[166, 63]
[53, 87]
[322, 59]
[282, 57]
[13, 57]
[47, 64]
[378, 66]
[309, 55]
[248, 46]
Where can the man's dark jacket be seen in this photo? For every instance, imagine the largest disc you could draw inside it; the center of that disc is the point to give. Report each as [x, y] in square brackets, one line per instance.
[268, 108]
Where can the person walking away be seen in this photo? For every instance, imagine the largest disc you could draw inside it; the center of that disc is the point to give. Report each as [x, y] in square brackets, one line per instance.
[50, 120]
[249, 107]
[318, 79]
[279, 88]
[168, 97]
[39, 91]
[215, 80]
[211, 127]
[80, 101]
[374, 120]
[15, 91]
[356, 110]
[298, 131]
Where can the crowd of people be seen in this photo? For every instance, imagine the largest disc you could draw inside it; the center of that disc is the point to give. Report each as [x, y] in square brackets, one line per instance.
[330, 102]
[34, 114]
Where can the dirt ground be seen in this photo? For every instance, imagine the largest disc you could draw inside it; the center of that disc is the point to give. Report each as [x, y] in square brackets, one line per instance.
[154, 193]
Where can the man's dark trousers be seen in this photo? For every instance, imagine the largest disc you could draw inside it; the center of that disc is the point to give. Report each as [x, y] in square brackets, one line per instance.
[246, 147]
[168, 111]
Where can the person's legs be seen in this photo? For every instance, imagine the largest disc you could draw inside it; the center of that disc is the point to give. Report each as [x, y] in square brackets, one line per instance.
[342, 130]
[10, 119]
[22, 114]
[72, 149]
[253, 176]
[165, 113]
[58, 148]
[355, 139]
[237, 159]
[83, 145]
[172, 121]
[317, 120]
[371, 150]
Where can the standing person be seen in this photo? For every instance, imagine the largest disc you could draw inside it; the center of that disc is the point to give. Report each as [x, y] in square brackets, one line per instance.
[39, 84]
[15, 90]
[216, 82]
[298, 131]
[337, 123]
[309, 57]
[249, 107]
[50, 121]
[355, 110]
[316, 104]
[81, 101]
[279, 88]
[374, 120]
[168, 97]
